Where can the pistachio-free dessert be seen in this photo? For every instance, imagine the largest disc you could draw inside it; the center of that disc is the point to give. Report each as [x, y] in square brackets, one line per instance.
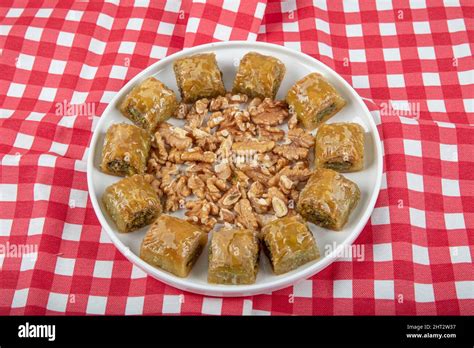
[131, 203]
[340, 146]
[198, 76]
[259, 76]
[233, 256]
[126, 149]
[149, 103]
[328, 199]
[235, 163]
[289, 243]
[173, 245]
[314, 100]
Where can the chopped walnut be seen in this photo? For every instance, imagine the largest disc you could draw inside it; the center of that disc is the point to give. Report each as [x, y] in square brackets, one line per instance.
[218, 103]
[255, 195]
[181, 111]
[226, 215]
[197, 186]
[270, 133]
[301, 138]
[175, 156]
[223, 169]
[240, 166]
[269, 113]
[174, 136]
[256, 175]
[291, 152]
[201, 105]
[247, 147]
[215, 119]
[231, 197]
[285, 184]
[295, 174]
[245, 216]
[196, 154]
[238, 98]
[279, 207]
[292, 121]
[159, 151]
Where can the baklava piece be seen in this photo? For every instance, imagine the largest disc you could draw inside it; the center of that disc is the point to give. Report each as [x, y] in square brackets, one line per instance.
[327, 199]
[149, 103]
[198, 76]
[131, 203]
[289, 243]
[125, 150]
[259, 76]
[314, 100]
[340, 146]
[233, 257]
[173, 245]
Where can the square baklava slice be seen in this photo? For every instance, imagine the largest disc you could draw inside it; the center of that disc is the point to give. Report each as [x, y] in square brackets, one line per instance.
[340, 146]
[328, 198]
[233, 257]
[131, 203]
[289, 243]
[149, 103]
[314, 100]
[125, 151]
[173, 245]
[259, 76]
[198, 76]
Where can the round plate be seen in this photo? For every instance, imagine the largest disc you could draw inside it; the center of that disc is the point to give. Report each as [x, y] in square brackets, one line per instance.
[331, 244]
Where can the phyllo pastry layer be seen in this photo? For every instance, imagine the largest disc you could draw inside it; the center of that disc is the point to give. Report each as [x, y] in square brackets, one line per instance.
[259, 76]
[173, 245]
[125, 150]
[198, 76]
[131, 203]
[340, 146]
[314, 100]
[149, 103]
[233, 257]
[289, 243]
[328, 198]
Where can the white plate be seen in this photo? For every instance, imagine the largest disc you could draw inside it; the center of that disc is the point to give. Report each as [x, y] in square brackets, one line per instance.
[331, 243]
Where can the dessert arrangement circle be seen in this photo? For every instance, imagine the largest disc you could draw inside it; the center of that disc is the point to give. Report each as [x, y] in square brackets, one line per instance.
[234, 176]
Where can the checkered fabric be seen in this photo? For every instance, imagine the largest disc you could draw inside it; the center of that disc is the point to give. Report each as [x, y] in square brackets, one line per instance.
[412, 62]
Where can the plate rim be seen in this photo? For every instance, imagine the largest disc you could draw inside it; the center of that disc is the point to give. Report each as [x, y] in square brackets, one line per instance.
[216, 290]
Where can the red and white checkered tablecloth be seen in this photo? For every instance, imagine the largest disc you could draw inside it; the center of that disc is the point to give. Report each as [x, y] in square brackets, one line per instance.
[412, 62]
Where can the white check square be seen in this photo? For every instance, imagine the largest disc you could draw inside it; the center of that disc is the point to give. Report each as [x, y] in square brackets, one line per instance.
[342, 289]
[420, 254]
[103, 269]
[417, 217]
[454, 221]
[384, 289]
[424, 293]
[65, 266]
[96, 305]
[415, 182]
[222, 32]
[57, 302]
[20, 297]
[382, 252]
[460, 254]
[450, 188]
[412, 147]
[212, 306]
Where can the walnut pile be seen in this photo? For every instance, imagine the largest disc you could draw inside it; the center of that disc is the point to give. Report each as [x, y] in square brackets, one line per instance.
[230, 162]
